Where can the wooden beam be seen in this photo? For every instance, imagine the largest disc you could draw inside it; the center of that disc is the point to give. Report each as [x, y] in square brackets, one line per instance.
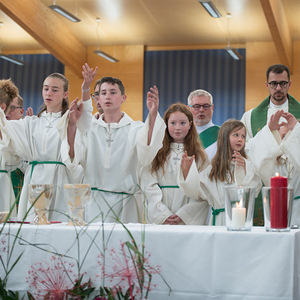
[276, 19]
[49, 30]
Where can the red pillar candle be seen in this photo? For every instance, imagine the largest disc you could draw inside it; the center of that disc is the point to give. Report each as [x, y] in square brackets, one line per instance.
[278, 202]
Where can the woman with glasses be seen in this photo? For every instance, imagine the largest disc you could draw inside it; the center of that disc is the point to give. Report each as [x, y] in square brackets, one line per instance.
[8, 91]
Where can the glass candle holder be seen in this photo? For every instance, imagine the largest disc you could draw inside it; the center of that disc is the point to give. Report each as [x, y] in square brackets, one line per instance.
[239, 207]
[278, 207]
[77, 196]
[40, 196]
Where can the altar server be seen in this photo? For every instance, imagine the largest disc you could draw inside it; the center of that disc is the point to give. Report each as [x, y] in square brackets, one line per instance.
[229, 166]
[277, 150]
[165, 202]
[8, 91]
[37, 140]
[113, 151]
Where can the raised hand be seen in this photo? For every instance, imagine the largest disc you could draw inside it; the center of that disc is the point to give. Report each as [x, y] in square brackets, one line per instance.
[238, 159]
[29, 112]
[75, 111]
[291, 120]
[88, 77]
[153, 100]
[274, 120]
[186, 163]
[152, 104]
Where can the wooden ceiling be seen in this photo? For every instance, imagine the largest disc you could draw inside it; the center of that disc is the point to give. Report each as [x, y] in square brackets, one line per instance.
[30, 25]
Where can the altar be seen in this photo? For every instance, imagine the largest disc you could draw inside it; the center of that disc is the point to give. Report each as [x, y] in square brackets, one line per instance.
[195, 262]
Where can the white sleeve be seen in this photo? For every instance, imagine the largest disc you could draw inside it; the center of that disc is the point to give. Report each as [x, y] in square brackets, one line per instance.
[263, 151]
[157, 211]
[146, 153]
[84, 122]
[290, 145]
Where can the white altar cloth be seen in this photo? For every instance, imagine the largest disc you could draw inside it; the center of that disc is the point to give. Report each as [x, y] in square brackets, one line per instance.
[198, 262]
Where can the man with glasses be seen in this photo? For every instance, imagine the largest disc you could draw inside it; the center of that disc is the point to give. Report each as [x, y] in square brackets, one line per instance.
[16, 109]
[256, 119]
[201, 105]
[278, 84]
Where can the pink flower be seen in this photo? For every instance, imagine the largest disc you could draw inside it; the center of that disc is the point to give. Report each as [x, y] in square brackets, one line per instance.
[127, 270]
[3, 244]
[51, 279]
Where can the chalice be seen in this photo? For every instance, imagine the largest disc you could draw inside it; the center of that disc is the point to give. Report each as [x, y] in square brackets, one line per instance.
[77, 196]
[40, 197]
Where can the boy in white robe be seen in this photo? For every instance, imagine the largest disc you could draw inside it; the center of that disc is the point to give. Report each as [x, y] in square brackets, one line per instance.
[113, 151]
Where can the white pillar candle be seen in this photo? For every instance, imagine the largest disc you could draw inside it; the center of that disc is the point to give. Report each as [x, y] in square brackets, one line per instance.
[238, 217]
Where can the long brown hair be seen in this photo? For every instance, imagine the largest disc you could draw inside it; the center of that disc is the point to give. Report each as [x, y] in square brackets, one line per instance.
[192, 142]
[65, 102]
[221, 163]
[8, 91]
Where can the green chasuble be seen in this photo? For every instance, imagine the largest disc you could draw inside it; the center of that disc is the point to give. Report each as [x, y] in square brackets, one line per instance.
[258, 121]
[260, 113]
[17, 178]
[209, 136]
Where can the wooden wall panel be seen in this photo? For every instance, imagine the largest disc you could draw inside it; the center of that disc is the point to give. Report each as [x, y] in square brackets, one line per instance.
[129, 69]
[259, 56]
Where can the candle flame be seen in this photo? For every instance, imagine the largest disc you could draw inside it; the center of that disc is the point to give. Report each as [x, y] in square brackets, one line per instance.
[239, 204]
[277, 174]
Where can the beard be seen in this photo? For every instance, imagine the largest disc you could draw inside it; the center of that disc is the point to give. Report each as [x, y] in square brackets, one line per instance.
[279, 96]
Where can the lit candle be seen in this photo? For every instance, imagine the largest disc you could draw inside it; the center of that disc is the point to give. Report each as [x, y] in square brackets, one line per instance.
[238, 215]
[278, 201]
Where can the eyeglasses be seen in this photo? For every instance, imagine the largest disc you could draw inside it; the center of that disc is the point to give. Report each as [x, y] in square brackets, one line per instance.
[95, 95]
[274, 84]
[13, 107]
[198, 106]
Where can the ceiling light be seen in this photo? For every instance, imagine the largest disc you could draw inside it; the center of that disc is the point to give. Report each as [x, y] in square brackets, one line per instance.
[13, 60]
[64, 13]
[106, 56]
[210, 8]
[233, 53]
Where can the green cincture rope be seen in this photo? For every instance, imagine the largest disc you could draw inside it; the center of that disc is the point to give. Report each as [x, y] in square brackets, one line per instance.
[169, 186]
[34, 163]
[216, 212]
[118, 193]
[3, 171]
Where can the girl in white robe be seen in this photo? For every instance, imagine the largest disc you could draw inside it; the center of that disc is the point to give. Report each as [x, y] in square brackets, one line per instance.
[113, 152]
[165, 202]
[229, 166]
[37, 140]
[277, 150]
[8, 91]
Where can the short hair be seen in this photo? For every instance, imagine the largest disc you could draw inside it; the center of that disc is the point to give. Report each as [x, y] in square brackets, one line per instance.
[8, 91]
[20, 101]
[111, 80]
[199, 93]
[278, 69]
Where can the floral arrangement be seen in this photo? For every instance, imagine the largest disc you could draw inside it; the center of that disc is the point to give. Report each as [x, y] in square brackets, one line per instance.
[126, 273]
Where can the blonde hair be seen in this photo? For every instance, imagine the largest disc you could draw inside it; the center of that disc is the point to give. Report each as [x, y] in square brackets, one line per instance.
[8, 91]
[221, 163]
[192, 142]
[65, 102]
